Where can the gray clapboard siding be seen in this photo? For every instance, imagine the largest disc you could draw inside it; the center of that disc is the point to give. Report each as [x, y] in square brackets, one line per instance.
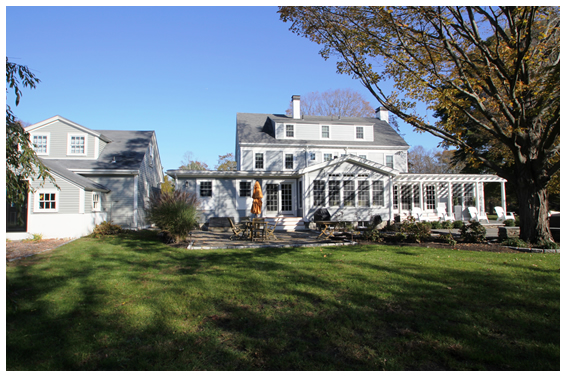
[58, 139]
[119, 203]
[68, 196]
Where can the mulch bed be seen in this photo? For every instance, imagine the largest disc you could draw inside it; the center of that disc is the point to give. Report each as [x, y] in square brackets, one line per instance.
[20, 249]
[492, 247]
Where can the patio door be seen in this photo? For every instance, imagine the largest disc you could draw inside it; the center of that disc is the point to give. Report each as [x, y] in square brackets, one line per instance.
[279, 199]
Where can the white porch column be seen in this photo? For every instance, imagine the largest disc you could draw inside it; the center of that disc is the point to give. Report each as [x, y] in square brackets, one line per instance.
[390, 198]
[503, 201]
[421, 196]
[477, 189]
[449, 202]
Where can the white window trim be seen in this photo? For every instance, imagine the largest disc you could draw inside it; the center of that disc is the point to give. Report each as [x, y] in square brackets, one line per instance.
[46, 191]
[392, 160]
[311, 153]
[294, 161]
[254, 160]
[363, 133]
[329, 134]
[239, 181]
[199, 181]
[69, 135]
[285, 131]
[94, 208]
[48, 141]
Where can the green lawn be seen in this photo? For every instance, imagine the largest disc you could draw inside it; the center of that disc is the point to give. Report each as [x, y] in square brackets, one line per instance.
[128, 302]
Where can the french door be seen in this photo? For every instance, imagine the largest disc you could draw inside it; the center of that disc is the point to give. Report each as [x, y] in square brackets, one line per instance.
[279, 199]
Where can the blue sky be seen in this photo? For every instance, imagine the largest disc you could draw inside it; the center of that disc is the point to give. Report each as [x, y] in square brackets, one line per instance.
[182, 71]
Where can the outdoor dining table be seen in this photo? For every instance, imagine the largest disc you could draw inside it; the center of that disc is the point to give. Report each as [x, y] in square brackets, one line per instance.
[248, 226]
[327, 228]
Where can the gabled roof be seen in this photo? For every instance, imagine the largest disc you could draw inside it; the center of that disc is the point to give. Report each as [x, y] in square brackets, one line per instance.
[258, 129]
[79, 180]
[59, 118]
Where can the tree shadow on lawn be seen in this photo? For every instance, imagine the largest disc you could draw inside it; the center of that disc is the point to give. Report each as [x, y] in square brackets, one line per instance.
[280, 317]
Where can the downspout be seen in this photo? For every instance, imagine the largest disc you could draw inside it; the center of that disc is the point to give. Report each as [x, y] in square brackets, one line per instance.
[136, 179]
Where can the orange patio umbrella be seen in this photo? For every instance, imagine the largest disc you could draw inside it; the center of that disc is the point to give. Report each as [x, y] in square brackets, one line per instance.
[257, 196]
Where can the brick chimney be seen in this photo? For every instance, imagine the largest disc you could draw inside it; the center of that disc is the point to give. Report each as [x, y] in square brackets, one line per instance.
[296, 107]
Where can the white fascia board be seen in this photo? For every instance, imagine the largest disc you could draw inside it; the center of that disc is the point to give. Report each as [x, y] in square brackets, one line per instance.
[106, 171]
[157, 157]
[56, 118]
[457, 178]
[355, 160]
[178, 173]
[369, 145]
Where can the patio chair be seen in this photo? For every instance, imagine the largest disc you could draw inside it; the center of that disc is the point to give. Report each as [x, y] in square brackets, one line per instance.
[442, 214]
[258, 229]
[270, 229]
[237, 231]
[475, 215]
[502, 216]
[419, 215]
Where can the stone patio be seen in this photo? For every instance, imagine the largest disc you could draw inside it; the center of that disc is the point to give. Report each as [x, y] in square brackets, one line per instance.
[201, 239]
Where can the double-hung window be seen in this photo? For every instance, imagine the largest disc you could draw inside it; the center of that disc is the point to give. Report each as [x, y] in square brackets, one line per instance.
[206, 188]
[377, 193]
[259, 160]
[289, 130]
[40, 143]
[77, 144]
[389, 161]
[363, 194]
[327, 157]
[359, 132]
[325, 132]
[95, 201]
[349, 194]
[245, 189]
[334, 193]
[318, 191]
[288, 161]
[312, 156]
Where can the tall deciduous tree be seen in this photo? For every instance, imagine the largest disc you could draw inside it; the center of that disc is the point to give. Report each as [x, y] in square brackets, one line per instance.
[189, 162]
[226, 162]
[338, 102]
[502, 62]
[22, 164]
[431, 161]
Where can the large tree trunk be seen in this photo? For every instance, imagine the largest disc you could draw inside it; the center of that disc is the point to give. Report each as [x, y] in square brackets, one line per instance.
[533, 205]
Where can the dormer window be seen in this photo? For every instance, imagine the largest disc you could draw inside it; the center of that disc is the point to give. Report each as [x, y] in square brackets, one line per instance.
[40, 143]
[325, 134]
[289, 130]
[359, 132]
[76, 144]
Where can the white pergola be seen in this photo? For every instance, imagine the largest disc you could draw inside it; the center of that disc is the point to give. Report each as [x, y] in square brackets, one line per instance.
[451, 179]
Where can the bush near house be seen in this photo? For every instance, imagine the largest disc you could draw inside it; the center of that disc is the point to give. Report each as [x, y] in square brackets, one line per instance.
[175, 212]
[473, 232]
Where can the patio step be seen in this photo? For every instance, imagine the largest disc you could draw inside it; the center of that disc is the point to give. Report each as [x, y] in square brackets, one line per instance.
[287, 224]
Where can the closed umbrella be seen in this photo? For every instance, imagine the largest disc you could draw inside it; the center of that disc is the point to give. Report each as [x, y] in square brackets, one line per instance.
[257, 196]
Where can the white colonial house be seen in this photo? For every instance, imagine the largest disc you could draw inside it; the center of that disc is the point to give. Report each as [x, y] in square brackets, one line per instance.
[101, 175]
[355, 168]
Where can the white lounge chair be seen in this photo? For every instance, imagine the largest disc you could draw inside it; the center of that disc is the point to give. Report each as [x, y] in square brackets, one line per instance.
[442, 214]
[502, 216]
[475, 215]
[419, 215]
